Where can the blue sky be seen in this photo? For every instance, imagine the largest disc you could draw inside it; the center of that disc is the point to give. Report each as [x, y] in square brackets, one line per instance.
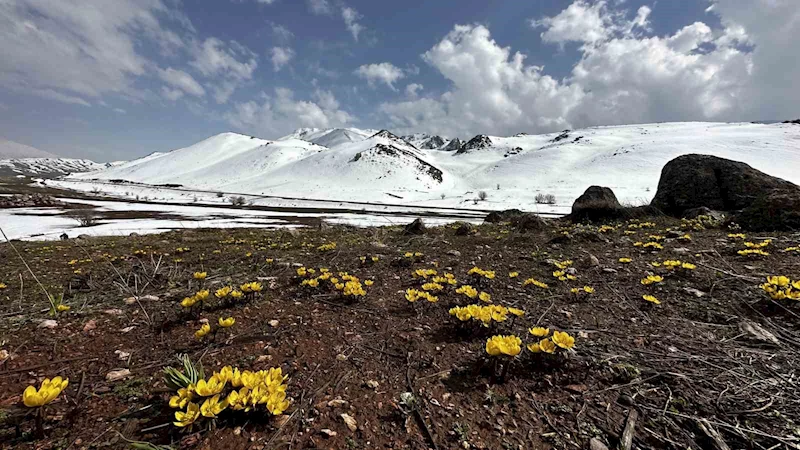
[118, 79]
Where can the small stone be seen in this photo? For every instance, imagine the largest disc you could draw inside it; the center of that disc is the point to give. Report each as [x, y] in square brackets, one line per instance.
[127, 329]
[130, 301]
[681, 250]
[337, 403]
[113, 312]
[372, 384]
[597, 444]
[349, 421]
[609, 270]
[122, 355]
[90, 325]
[264, 358]
[116, 375]
[273, 323]
[327, 433]
[341, 357]
[625, 400]
[455, 253]
[48, 323]
[692, 291]
[3, 355]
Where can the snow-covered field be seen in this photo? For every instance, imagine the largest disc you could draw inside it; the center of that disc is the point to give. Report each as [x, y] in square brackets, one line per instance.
[129, 217]
[383, 169]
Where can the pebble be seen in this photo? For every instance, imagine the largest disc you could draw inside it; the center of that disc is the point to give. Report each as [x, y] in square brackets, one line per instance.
[349, 421]
[273, 323]
[90, 325]
[48, 323]
[116, 375]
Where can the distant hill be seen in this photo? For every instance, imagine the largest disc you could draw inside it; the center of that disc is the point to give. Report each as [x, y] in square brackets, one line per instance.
[11, 149]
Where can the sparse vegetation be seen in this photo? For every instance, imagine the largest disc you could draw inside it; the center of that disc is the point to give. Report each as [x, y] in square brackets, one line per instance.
[238, 201]
[545, 199]
[84, 217]
[482, 195]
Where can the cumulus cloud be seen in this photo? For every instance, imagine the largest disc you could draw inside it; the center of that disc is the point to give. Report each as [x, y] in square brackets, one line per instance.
[76, 52]
[412, 89]
[281, 32]
[281, 57]
[741, 70]
[351, 18]
[319, 7]
[231, 64]
[280, 113]
[182, 80]
[386, 73]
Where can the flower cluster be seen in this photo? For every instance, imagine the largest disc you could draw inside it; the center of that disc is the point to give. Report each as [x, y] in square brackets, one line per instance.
[752, 252]
[47, 392]
[198, 297]
[535, 282]
[369, 259]
[649, 245]
[423, 273]
[504, 346]
[673, 264]
[699, 223]
[562, 275]
[737, 236]
[606, 229]
[560, 339]
[652, 279]
[200, 276]
[625, 260]
[651, 299]
[231, 389]
[485, 314]
[634, 225]
[412, 295]
[781, 287]
[488, 274]
[586, 289]
[415, 255]
[327, 247]
[446, 278]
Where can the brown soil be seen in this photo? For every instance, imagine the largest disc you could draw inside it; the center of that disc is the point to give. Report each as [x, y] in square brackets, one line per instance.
[677, 363]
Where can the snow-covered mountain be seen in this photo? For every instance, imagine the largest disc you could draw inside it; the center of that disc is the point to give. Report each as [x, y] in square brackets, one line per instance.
[365, 165]
[48, 166]
[330, 137]
[15, 150]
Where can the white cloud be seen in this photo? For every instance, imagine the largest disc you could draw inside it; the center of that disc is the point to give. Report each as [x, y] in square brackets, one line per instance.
[281, 32]
[279, 114]
[351, 18]
[385, 73]
[232, 64]
[79, 51]
[171, 94]
[624, 74]
[182, 80]
[281, 57]
[319, 7]
[120, 111]
[412, 89]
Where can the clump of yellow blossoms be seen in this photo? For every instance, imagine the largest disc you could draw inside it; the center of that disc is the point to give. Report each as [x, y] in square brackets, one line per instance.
[625, 260]
[423, 273]
[761, 244]
[327, 247]
[488, 274]
[412, 295]
[651, 299]
[781, 287]
[467, 290]
[562, 264]
[3, 286]
[586, 289]
[485, 314]
[757, 252]
[537, 283]
[200, 276]
[447, 278]
[432, 287]
[562, 275]
[503, 346]
[652, 279]
[560, 339]
[606, 229]
[230, 389]
[672, 264]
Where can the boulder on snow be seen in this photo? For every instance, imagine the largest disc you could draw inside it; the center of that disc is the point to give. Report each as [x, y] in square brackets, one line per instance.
[502, 216]
[694, 181]
[596, 203]
[416, 227]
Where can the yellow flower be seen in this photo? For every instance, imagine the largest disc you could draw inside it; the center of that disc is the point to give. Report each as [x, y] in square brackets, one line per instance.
[223, 292]
[781, 281]
[3, 286]
[188, 302]
[688, 266]
[517, 312]
[202, 295]
[301, 271]
[203, 331]
[535, 282]
[226, 323]
[212, 406]
[485, 297]
[563, 340]
[200, 275]
[467, 290]
[588, 289]
[237, 294]
[47, 392]
[62, 307]
[539, 331]
[513, 274]
[188, 417]
[535, 348]
[183, 398]
[270, 260]
[368, 282]
[212, 386]
[652, 279]
[651, 299]
[625, 260]
[547, 346]
[503, 345]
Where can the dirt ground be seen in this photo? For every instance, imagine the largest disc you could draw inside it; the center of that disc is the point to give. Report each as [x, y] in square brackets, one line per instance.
[716, 359]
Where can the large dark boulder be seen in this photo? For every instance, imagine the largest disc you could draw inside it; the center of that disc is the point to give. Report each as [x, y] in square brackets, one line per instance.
[596, 203]
[528, 222]
[502, 216]
[694, 181]
[415, 228]
[779, 210]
